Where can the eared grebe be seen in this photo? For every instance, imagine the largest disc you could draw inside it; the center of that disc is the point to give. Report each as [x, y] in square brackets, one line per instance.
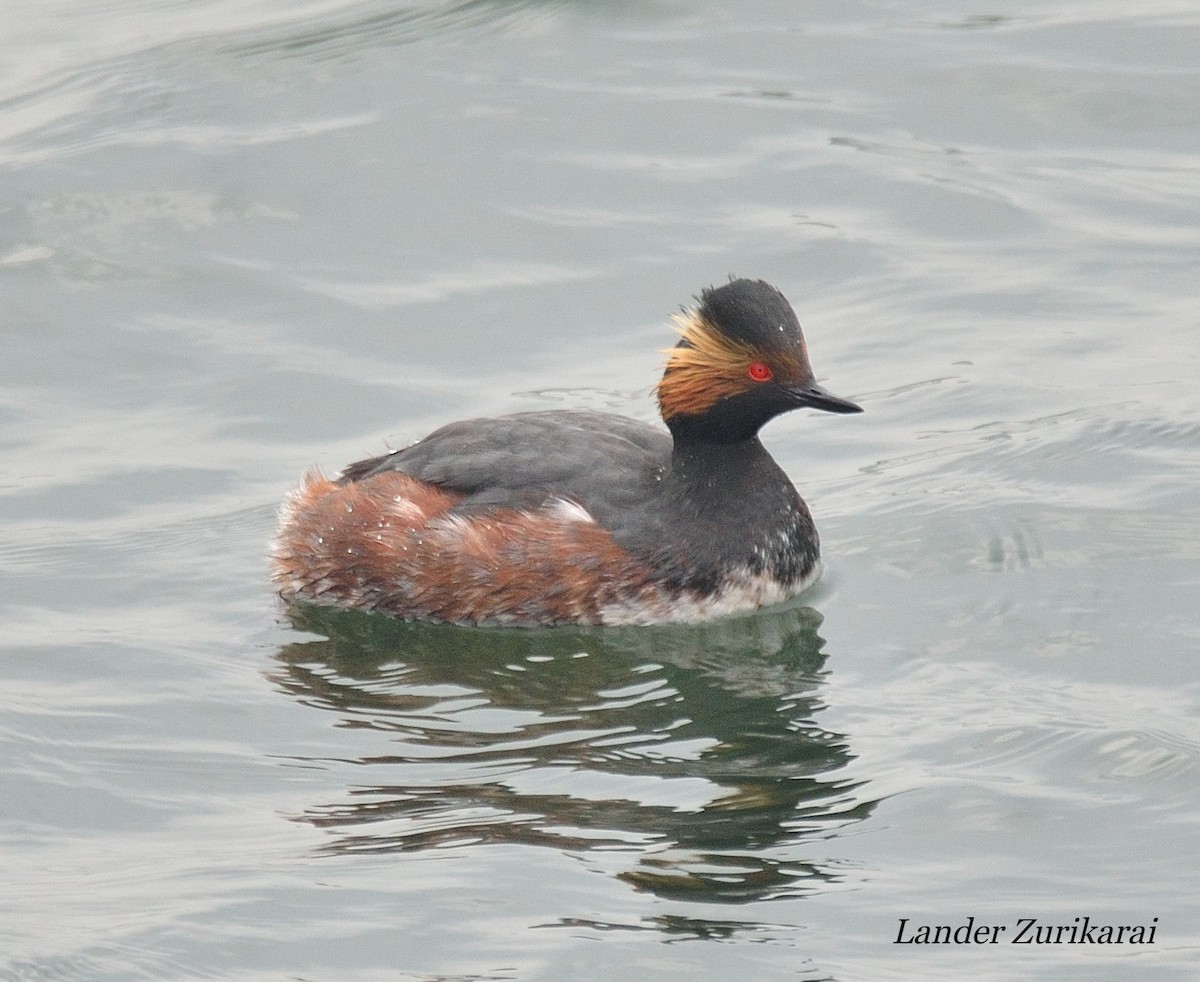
[573, 516]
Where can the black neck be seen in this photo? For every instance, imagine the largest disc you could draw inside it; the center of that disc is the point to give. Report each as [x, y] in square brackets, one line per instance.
[734, 506]
[725, 477]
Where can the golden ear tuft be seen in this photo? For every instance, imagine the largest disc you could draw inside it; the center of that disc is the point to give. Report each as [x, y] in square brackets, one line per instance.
[709, 367]
[706, 345]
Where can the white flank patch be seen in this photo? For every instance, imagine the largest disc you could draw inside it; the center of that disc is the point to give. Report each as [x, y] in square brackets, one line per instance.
[569, 511]
[453, 525]
[741, 593]
[405, 511]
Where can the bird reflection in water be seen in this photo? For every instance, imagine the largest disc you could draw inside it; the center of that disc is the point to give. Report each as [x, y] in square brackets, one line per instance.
[687, 758]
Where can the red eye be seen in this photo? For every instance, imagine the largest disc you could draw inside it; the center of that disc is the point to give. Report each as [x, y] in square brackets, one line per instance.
[760, 371]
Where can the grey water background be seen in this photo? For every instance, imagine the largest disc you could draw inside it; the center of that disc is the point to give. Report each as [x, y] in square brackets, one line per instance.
[241, 239]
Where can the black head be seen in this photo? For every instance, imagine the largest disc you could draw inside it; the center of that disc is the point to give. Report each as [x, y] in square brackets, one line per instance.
[755, 314]
[741, 362]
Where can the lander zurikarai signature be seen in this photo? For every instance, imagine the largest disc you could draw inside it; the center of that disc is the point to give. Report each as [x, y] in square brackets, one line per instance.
[1026, 930]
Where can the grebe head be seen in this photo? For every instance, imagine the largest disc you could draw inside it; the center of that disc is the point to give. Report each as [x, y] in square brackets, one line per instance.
[740, 362]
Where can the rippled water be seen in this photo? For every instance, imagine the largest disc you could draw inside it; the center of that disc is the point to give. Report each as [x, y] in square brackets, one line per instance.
[241, 239]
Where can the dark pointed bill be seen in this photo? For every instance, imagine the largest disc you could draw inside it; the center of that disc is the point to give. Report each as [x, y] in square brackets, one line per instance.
[815, 396]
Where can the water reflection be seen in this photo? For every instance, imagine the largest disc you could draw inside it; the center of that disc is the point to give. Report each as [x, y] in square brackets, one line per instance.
[688, 759]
